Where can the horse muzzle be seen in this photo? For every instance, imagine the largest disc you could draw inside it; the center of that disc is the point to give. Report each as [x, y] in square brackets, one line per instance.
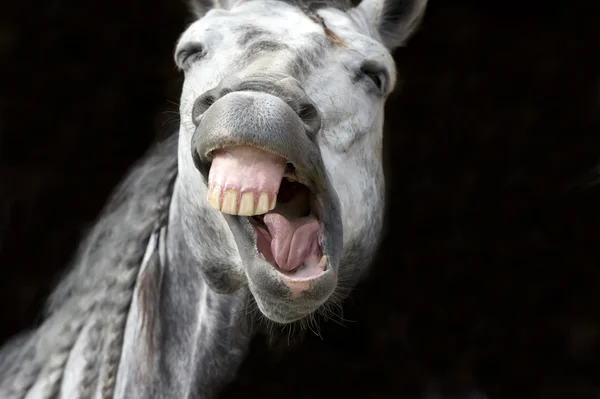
[255, 146]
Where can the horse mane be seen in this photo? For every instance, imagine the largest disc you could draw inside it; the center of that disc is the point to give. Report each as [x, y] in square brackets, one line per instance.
[100, 280]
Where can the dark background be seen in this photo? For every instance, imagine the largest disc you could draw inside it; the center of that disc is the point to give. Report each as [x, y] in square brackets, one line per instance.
[489, 275]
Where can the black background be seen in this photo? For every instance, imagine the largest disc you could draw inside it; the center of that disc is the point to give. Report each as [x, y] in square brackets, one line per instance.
[489, 275]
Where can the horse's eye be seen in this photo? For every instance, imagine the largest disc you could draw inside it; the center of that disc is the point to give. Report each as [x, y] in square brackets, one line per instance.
[376, 79]
[188, 54]
[376, 73]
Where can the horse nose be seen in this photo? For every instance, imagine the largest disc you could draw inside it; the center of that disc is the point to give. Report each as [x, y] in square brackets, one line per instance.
[287, 88]
[204, 102]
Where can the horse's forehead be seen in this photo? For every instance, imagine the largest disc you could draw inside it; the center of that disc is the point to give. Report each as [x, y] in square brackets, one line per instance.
[265, 20]
[277, 21]
[298, 38]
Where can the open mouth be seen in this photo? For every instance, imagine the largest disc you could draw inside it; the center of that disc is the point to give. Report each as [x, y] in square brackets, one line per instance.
[263, 187]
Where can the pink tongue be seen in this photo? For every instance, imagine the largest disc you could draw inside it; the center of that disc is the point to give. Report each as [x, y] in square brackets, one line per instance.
[294, 241]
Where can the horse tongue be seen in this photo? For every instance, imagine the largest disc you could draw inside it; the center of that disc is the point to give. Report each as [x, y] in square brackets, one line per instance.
[293, 240]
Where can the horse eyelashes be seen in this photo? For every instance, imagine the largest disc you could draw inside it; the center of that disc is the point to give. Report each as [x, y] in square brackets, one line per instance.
[189, 54]
[376, 79]
[376, 73]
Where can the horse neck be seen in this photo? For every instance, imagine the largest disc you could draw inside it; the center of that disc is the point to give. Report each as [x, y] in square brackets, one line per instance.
[133, 316]
[193, 338]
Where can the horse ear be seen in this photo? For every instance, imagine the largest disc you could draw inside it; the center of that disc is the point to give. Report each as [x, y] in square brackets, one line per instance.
[395, 20]
[201, 7]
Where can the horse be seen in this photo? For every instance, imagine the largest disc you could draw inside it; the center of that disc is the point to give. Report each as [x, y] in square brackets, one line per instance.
[264, 210]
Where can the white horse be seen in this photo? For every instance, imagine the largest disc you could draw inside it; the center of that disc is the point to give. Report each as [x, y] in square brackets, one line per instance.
[267, 205]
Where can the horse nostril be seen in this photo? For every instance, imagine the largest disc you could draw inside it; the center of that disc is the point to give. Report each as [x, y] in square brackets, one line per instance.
[202, 103]
[311, 118]
[297, 98]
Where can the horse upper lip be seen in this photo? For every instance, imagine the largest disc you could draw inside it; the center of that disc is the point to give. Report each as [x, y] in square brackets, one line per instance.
[231, 121]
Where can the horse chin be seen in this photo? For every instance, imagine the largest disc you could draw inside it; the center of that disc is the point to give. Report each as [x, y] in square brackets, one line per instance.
[282, 296]
[283, 299]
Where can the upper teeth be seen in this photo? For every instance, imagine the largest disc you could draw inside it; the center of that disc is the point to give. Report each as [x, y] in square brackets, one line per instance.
[233, 202]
